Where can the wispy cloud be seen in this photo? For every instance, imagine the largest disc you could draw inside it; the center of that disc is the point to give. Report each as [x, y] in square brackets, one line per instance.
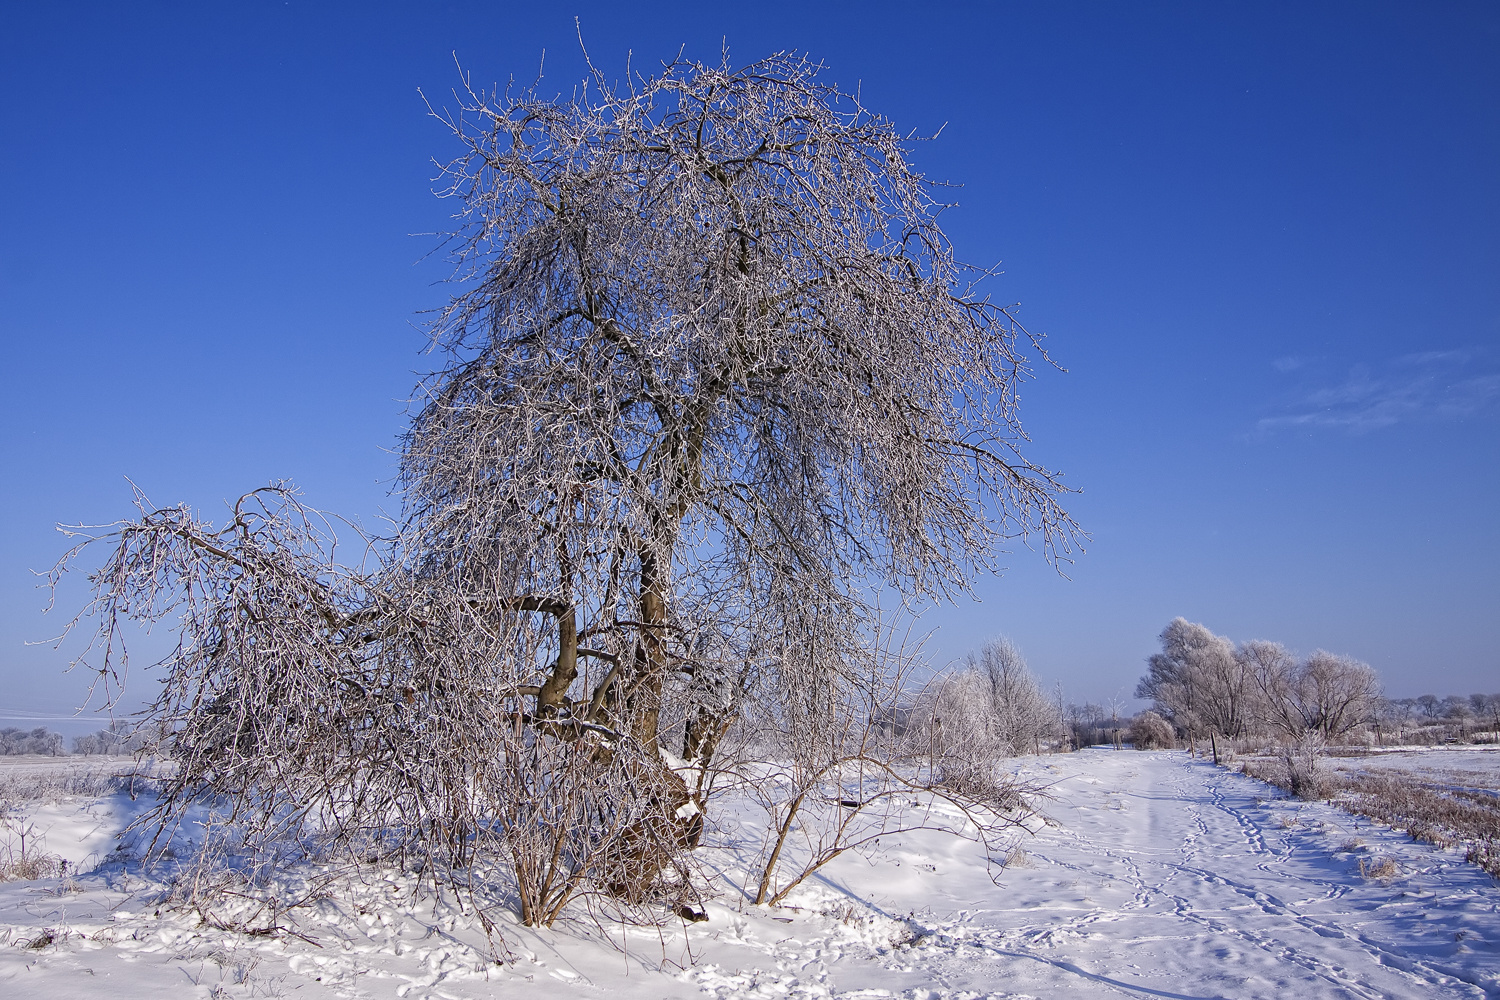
[1431, 385]
[1434, 358]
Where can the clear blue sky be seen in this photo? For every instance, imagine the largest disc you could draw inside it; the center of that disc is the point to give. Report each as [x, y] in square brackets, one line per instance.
[1264, 239]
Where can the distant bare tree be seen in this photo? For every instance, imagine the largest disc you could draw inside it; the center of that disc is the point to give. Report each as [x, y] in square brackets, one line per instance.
[1325, 694]
[1487, 708]
[993, 708]
[715, 369]
[1335, 694]
[1457, 711]
[1388, 715]
[1199, 682]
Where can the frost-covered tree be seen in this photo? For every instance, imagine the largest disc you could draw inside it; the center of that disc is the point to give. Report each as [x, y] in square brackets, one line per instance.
[1207, 685]
[1198, 682]
[992, 708]
[713, 371]
[1336, 693]
[1022, 716]
[716, 368]
[1325, 694]
[1275, 672]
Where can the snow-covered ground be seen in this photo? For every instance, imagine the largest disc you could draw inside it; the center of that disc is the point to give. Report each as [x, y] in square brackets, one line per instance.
[1470, 767]
[1157, 876]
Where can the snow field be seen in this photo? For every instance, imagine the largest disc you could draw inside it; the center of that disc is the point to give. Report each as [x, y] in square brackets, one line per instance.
[1474, 768]
[1155, 876]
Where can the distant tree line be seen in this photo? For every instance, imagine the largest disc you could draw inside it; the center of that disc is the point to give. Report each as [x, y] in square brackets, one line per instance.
[1430, 719]
[1208, 687]
[41, 741]
[1091, 724]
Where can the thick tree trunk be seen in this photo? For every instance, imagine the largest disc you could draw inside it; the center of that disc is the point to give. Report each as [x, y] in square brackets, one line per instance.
[552, 693]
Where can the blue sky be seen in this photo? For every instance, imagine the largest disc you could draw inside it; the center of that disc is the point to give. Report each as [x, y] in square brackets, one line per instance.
[1263, 239]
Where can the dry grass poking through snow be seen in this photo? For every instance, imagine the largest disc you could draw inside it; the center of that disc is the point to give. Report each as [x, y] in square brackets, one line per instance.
[25, 867]
[1433, 811]
[39, 784]
[1443, 816]
[1383, 869]
[20, 857]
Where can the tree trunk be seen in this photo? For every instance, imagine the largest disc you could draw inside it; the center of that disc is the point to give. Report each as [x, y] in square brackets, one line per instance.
[552, 693]
[555, 689]
[643, 700]
[704, 730]
[781, 834]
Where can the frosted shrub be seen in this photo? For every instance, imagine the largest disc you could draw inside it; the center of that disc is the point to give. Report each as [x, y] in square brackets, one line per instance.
[1304, 773]
[990, 710]
[1149, 731]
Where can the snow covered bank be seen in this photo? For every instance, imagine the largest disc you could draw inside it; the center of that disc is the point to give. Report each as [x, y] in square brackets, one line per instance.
[1158, 876]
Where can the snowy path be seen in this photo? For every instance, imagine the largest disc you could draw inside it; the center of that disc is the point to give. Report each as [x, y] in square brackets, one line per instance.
[1159, 877]
[1172, 878]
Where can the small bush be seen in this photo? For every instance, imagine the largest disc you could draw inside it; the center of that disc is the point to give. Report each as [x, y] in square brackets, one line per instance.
[1017, 858]
[21, 860]
[1149, 731]
[1304, 775]
[45, 939]
[1296, 769]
